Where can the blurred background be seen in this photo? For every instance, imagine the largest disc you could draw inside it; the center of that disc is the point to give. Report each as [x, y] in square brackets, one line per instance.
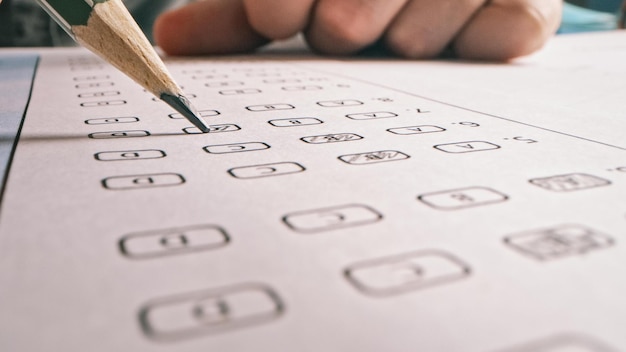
[24, 24]
[590, 15]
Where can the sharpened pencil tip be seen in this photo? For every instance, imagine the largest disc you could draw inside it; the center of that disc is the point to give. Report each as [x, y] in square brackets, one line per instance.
[181, 104]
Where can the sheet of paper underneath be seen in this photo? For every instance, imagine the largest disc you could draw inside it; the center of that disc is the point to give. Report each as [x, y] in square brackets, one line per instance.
[336, 205]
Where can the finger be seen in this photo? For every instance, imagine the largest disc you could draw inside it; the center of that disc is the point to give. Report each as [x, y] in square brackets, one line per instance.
[505, 29]
[278, 19]
[424, 28]
[346, 26]
[206, 27]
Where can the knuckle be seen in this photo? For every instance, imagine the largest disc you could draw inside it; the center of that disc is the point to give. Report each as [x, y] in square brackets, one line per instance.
[265, 20]
[529, 26]
[537, 25]
[270, 29]
[346, 23]
[546, 15]
[538, 21]
[265, 28]
[408, 44]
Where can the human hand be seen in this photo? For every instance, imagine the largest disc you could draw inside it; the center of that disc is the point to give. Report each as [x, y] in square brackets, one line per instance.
[420, 29]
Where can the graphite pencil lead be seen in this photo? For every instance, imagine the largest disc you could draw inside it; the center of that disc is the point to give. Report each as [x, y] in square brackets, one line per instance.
[181, 104]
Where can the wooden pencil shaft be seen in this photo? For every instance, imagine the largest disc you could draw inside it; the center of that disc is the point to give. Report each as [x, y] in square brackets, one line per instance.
[106, 28]
[112, 33]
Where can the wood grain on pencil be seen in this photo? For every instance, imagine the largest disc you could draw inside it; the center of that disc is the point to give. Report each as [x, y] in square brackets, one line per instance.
[113, 34]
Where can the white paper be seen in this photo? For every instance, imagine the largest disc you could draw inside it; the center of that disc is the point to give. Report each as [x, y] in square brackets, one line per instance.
[336, 205]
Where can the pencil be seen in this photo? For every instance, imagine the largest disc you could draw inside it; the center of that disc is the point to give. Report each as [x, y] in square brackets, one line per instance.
[106, 28]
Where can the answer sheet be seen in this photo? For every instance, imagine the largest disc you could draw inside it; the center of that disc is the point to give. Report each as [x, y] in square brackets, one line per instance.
[356, 204]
